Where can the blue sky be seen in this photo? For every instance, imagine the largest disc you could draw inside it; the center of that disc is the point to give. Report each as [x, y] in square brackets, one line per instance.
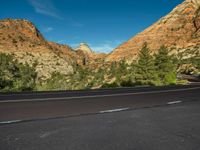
[103, 24]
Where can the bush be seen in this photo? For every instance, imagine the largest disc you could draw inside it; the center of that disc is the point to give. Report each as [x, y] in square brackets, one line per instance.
[127, 83]
[15, 76]
[110, 85]
[56, 82]
[170, 79]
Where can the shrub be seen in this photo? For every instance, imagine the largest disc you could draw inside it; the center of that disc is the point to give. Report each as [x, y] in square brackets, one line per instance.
[14, 41]
[15, 76]
[127, 83]
[56, 82]
[170, 79]
[110, 85]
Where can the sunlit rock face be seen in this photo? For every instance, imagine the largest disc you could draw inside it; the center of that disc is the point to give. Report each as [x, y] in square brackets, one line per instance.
[85, 48]
[180, 29]
[22, 39]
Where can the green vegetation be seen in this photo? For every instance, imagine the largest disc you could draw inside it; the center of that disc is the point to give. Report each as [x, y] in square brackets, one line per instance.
[160, 69]
[15, 76]
[145, 68]
[165, 67]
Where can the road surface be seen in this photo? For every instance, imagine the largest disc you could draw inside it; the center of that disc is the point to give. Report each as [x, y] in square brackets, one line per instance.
[130, 118]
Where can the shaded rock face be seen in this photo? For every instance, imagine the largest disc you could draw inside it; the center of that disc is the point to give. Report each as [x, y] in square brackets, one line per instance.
[180, 29]
[86, 53]
[88, 56]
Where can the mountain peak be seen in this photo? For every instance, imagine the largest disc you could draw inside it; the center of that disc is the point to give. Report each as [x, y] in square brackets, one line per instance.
[85, 48]
[20, 29]
[180, 29]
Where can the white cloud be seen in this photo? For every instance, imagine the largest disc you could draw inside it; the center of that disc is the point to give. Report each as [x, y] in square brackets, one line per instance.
[74, 45]
[103, 48]
[45, 7]
[106, 47]
[60, 41]
[48, 29]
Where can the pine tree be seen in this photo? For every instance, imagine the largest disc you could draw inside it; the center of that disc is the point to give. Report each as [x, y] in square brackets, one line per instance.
[165, 67]
[145, 69]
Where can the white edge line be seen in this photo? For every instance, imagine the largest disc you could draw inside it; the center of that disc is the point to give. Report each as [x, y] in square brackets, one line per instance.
[174, 102]
[105, 111]
[63, 92]
[96, 96]
[10, 121]
[113, 110]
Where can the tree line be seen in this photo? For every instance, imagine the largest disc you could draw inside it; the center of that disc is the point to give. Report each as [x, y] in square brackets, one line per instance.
[159, 69]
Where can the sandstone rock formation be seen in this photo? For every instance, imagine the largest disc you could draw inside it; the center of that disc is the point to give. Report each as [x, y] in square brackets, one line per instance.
[180, 29]
[85, 48]
[23, 39]
[89, 56]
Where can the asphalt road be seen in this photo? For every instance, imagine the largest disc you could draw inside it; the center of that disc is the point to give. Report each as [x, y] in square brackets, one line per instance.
[131, 118]
[45, 105]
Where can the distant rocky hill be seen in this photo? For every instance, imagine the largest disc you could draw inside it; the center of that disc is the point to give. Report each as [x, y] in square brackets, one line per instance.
[85, 48]
[82, 68]
[89, 55]
[180, 29]
[24, 40]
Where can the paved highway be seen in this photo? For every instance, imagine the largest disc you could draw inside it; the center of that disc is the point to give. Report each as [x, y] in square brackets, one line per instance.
[129, 118]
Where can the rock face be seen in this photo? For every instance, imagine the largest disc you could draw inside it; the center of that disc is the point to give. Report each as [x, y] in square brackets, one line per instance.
[85, 48]
[180, 29]
[23, 39]
[86, 53]
[88, 56]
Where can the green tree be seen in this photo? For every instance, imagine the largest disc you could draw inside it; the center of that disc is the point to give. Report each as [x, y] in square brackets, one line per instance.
[15, 76]
[165, 67]
[145, 69]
